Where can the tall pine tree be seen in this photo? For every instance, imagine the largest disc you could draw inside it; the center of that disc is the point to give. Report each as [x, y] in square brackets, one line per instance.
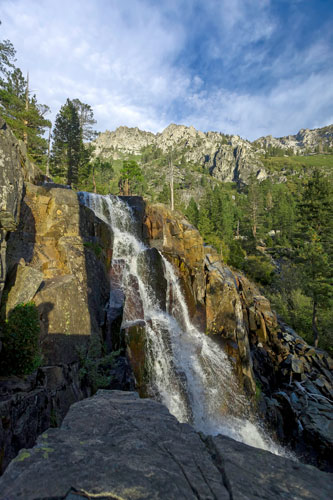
[67, 149]
[316, 244]
[18, 108]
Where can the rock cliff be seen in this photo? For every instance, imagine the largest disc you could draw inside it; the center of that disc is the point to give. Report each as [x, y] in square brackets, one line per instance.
[15, 168]
[57, 253]
[136, 450]
[304, 140]
[227, 158]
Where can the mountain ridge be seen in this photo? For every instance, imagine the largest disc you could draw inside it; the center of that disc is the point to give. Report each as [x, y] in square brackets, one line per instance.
[228, 158]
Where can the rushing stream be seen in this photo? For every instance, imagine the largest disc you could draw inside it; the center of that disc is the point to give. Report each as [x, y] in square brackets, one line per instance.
[189, 371]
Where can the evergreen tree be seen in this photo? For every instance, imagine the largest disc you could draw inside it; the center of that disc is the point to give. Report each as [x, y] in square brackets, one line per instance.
[23, 114]
[283, 213]
[70, 156]
[7, 59]
[131, 178]
[254, 207]
[316, 243]
[192, 212]
[86, 119]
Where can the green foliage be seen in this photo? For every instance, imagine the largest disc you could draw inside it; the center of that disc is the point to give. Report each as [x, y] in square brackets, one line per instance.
[259, 268]
[24, 115]
[95, 365]
[67, 148]
[20, 354]
[97, 249]
[315, 241]
[131, 178]
[192, 212]
[298, 164]
[97, 176]
[7, 58]
[236, 254]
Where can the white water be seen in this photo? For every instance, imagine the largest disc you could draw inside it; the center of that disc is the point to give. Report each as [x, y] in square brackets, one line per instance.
[189, 371]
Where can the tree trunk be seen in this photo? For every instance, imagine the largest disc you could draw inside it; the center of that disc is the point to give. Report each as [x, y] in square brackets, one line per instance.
[48, 154]
[314, 324]
[126, 188]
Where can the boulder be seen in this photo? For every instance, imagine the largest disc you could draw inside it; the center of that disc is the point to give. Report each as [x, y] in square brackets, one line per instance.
[30, 406]
[136, 450]
[27, 281]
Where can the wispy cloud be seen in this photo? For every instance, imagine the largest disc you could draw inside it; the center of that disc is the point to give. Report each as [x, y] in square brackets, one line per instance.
[230, 66]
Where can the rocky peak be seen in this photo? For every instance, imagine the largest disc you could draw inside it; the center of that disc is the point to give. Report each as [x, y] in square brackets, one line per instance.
[227, 158]
[305, 139]
[123, 139]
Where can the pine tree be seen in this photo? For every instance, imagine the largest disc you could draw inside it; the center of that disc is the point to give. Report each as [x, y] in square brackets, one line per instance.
[131, 178]
[192, 212]
[23, 114]
[68, 150]
[86, 119]
[316, 244]
[7, 59]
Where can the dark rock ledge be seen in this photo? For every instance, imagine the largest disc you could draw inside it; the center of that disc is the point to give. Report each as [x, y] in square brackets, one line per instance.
[117, 446]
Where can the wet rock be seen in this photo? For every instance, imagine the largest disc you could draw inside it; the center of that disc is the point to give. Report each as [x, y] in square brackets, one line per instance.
[136, 351]
[138, 450]
[151, 271]
[133, 309]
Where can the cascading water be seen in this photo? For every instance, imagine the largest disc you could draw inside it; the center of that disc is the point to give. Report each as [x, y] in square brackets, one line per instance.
[189, 372]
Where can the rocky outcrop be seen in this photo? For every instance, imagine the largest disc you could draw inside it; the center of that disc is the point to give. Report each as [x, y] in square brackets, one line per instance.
[226, 158]
[31, 405]
[59, 257]
[137, 450]
[130, 140]
[304, 140]
[289, 380]
[64, 250]
[15, 167]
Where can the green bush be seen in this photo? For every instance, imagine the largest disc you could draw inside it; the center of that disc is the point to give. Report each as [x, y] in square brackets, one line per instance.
[95, 365]
[259, 268]
[20, 354]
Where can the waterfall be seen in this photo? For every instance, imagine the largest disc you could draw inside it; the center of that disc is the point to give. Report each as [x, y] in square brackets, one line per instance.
[189, 371]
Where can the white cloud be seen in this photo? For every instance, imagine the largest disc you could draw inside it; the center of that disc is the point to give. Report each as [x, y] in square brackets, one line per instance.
[123, 59]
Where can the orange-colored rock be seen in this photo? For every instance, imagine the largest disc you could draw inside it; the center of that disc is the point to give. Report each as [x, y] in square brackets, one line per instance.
[60, 238]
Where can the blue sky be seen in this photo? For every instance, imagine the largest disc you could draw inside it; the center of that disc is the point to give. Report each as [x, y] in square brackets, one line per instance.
[246, 67]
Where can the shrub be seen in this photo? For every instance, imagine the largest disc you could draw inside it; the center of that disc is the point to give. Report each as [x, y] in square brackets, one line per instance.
[95, 366]
[259, 268]
[20, 354]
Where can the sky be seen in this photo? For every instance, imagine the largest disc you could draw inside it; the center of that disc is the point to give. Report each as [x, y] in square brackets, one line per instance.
[246, 67]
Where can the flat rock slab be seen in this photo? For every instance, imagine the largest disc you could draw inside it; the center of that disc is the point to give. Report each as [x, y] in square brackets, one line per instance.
[117, 446]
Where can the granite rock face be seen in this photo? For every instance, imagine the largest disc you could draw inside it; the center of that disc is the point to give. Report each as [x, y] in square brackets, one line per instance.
[31, 405]
[68, 249]
[228, 158]
[116, 445]
[15, 168]
[59, 257]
